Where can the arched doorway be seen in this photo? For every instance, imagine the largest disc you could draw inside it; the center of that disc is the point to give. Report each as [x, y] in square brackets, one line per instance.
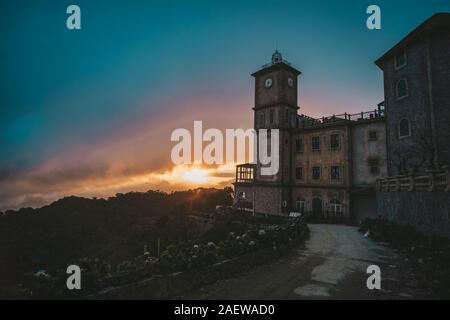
[317, 208]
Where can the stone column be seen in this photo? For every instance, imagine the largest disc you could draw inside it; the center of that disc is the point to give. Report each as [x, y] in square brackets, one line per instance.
[447, 175]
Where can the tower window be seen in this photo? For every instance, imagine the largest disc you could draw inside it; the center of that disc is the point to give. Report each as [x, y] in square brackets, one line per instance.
[299, 173]
[334, 141]
[316, 173]
[402, 88]
[271, 116]
[400, 60]
[404, 128]
[335, 172]
[315, 143]
[373, 136]
[299, 145]
[262, 119]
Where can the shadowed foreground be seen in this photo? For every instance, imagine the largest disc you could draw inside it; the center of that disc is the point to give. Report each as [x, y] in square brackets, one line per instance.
[332, 265]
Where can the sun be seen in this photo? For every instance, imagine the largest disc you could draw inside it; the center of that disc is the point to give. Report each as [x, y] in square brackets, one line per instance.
[196, 176]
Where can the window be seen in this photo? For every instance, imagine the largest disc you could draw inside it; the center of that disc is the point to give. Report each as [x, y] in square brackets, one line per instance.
[316, 173]
[373, 136]
[334, 141]
[262, 119]
[400, 60]
[404, 128]
[335, 208]
[374, 166]
[271, 116]
[286, 115]
[374, 171]
[335, 173]
[299, 173]
[285, 204]
[402, 88]
[299, 145]
[300, 205]
[315, 143]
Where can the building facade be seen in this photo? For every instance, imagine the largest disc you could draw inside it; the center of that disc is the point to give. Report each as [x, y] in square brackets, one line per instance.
[417, 95]
[327, 167]
[417, 98]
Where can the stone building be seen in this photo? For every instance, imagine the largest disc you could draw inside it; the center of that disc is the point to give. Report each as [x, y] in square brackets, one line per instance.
[327, 166]
[417, 98]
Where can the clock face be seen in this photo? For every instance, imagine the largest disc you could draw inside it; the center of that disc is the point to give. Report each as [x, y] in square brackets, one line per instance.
[290, 82]
[268, 82]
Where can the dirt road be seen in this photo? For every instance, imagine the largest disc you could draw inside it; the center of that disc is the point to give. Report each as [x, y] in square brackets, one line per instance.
[331, 265]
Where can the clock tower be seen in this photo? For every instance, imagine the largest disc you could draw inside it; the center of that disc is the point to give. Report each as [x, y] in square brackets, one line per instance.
[276, 93]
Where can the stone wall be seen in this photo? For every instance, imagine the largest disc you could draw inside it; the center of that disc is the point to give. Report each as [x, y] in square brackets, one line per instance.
[268, 199]
[427, 211]
[365, 150]
[440, 82]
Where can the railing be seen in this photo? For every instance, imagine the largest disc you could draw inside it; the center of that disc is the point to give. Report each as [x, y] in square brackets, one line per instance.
[245, 173]
[436, 180]
[283, 61]
[306, 122]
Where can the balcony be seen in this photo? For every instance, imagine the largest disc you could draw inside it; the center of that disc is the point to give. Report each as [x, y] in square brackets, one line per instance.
[245, 173]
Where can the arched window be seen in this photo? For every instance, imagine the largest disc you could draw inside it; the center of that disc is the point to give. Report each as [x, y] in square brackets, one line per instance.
[300, 205]
[402, 88]
[404, 128]
[335, 207]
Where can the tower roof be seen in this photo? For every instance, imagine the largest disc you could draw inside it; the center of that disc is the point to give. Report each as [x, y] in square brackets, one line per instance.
[437, 21]
[277, 63]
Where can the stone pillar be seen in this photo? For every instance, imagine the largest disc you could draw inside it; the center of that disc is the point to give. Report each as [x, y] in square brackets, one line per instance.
[412, 183]
[397, 183]
[447, 175]
[432, 177]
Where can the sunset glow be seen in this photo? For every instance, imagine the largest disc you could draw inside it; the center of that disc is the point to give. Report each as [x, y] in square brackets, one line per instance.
[196, 176]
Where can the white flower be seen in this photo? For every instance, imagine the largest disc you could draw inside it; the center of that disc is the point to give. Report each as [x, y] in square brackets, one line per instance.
[261, 232]
[41, 273]
[211, 244]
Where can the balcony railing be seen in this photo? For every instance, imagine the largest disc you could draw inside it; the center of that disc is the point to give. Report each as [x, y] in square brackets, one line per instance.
[306, 122]
[245, 173]
[436, 180]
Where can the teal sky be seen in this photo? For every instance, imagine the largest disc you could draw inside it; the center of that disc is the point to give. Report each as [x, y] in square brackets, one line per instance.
[138, 69]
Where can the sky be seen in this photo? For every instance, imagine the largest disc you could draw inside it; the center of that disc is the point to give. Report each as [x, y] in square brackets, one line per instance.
[89, 112]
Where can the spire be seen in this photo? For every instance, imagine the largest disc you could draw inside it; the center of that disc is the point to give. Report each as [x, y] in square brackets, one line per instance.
[276, 57]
